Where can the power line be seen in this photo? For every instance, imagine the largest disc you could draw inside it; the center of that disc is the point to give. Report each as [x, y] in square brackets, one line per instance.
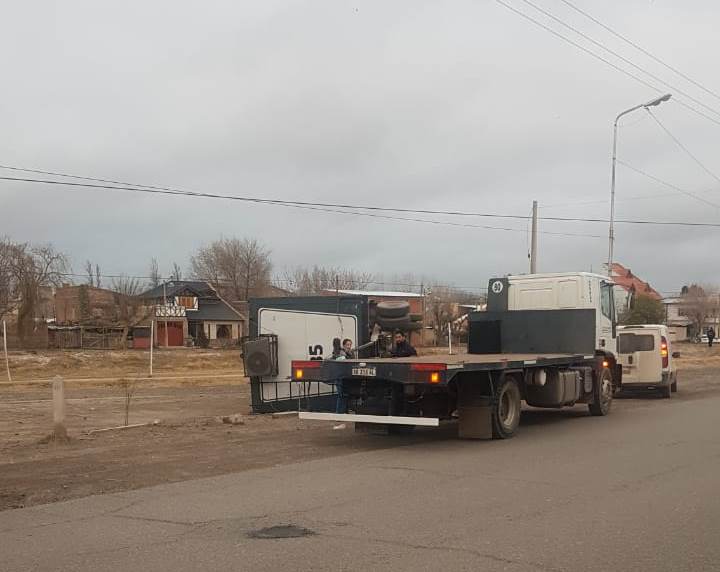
[305, 204]
[602, 59]
[322, 207]
[641, 49]
[679, 144]
[619, 56]
[669, 185]
[274, 280]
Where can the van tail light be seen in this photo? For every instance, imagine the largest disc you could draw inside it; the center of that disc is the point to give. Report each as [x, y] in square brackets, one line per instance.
[301, 369]
[664, 352]
[428, 372]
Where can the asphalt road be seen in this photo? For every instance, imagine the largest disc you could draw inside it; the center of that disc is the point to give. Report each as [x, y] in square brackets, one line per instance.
[639, 490]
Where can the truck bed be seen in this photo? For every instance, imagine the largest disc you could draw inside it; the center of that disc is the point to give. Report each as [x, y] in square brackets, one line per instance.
[483, 361]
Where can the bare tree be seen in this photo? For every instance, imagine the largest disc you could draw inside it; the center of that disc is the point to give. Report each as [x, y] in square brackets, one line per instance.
[303, 281]
[176, 272]
[8, 279]
[128, 387]
[442, 305]
[154, 274]
[237, 268]
[90, 271]
[34, 267]
[93, 274]
[126, 285]
[698, 303]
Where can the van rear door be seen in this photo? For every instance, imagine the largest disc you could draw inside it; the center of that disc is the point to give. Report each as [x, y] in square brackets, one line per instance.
[639, 354]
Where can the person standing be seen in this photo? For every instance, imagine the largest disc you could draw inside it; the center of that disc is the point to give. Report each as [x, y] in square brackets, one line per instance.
[340, 400]
[710, 336]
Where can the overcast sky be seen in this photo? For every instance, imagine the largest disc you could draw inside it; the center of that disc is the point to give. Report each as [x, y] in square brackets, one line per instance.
[435, 105]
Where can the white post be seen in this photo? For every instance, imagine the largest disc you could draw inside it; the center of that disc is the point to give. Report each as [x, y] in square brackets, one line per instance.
[58, 400]
[7, 361]
[449, 339]
[152, 343]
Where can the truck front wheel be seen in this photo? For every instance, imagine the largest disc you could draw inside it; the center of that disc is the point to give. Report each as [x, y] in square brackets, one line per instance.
[506, 409]
[602, 394]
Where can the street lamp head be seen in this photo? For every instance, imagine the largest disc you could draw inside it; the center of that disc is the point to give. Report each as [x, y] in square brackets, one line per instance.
[658, 101]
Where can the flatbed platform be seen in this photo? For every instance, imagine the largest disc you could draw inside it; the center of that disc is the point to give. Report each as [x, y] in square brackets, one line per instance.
[467, 358]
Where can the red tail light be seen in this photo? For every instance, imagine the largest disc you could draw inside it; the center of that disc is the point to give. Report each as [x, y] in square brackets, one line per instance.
[300, 367]
[664, 352]
[428, 372]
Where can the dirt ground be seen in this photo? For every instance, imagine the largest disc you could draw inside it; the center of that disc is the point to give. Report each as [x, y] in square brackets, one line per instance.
[197, 388]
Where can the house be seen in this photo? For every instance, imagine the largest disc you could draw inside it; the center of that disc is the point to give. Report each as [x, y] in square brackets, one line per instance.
[679, 326]
[185, 309]
[628, 285]
[90, 317]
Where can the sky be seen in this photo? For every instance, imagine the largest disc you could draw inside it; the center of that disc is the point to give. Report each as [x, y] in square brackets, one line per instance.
[461, 106]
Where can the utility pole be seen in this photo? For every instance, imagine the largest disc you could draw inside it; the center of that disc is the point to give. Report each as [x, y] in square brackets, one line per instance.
[611, 234]
[533, 243]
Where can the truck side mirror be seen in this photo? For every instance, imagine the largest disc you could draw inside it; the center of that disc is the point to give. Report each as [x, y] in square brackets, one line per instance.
[676, 354]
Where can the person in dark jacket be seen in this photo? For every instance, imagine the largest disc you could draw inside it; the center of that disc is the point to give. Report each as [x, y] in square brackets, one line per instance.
[711, 336]
[402, 347]
[341, 400]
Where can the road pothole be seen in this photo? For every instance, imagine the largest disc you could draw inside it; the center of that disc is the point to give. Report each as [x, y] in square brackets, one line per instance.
[281, 531]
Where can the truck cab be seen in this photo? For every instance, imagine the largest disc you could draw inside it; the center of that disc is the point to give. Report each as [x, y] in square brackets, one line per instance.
[571, 293]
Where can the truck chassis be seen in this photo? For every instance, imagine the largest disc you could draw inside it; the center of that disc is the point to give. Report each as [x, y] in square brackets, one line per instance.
[483, 392]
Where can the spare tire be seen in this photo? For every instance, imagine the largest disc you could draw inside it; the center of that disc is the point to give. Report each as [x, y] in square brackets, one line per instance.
[393, 309]
[416, 317]
[401, 323]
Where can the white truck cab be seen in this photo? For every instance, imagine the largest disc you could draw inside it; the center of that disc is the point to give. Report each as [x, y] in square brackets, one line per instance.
[647, 359]
[572, 290]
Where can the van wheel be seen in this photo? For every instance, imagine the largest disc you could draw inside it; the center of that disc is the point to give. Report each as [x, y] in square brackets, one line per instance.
[506, 409]
[602, 394]
[665, 392]
[673, 385]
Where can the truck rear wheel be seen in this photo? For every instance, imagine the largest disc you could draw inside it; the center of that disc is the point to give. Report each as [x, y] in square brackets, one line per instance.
[506, 409]
[602, 394]
[673, 386]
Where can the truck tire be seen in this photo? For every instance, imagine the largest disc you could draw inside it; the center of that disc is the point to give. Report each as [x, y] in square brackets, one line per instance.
[506, 409]
[673, 386]
[392, 309]
[666, 391]
[602, 394]
[401, 323]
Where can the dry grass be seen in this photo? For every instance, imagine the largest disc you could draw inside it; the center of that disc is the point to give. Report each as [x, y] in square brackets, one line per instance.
[119, 364]
[696, 356]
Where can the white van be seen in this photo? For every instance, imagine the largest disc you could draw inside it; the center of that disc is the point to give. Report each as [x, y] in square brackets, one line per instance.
[646, 358]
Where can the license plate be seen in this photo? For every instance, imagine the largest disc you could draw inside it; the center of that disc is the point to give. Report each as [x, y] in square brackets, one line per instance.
[364, 371]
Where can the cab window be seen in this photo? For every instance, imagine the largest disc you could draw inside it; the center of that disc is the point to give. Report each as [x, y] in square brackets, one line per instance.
[606, 300]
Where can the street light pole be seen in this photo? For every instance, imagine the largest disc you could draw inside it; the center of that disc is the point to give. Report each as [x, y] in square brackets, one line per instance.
[611, 244]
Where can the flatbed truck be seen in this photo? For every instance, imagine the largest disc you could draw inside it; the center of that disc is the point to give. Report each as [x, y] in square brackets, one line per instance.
[548, 340]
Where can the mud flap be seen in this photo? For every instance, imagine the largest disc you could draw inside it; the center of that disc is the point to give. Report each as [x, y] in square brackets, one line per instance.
[476, 420]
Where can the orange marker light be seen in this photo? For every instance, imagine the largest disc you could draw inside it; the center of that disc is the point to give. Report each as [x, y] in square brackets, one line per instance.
[298, 374]
[435, 377]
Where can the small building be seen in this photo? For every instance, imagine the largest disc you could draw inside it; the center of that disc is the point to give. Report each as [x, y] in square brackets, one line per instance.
[188, 310]
[678, 325]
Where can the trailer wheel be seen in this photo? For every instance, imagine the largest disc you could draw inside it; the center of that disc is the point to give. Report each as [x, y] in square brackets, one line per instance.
[602, 394]
[506, 409]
